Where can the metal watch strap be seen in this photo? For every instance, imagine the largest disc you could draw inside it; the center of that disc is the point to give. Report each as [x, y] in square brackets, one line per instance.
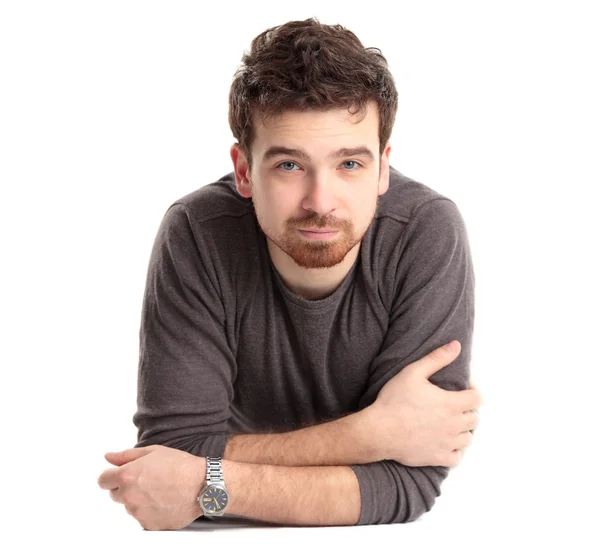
[214, 471]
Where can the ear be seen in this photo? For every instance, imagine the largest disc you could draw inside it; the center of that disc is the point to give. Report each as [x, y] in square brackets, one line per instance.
[241, 171]
[384, 175]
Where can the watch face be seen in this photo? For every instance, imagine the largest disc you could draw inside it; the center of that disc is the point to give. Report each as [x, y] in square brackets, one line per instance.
[215, 499]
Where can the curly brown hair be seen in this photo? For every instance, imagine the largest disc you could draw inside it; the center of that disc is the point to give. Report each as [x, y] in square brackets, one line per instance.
[307, 65]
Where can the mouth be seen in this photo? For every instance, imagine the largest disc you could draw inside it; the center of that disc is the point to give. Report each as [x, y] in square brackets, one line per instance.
[317, 230]
[318, 234]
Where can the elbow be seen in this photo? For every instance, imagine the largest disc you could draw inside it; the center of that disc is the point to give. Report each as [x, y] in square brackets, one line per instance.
[423, 507]
[424, 494]
[396, 493]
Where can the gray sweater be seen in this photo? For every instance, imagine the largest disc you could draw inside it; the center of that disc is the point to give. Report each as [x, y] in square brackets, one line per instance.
[226, 348]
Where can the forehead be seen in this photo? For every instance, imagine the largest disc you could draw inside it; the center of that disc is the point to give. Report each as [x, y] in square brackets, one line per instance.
[320, 131]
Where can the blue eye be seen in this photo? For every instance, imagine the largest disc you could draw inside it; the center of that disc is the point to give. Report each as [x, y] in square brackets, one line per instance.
[287, 162]
[278, 167]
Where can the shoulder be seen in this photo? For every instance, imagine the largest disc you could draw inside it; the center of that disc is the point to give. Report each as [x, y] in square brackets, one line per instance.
[408, 200]
[215, 219]
[215, 201]
[414, 224]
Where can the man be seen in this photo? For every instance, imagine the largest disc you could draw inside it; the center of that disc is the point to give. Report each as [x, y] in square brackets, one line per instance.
[283, 301]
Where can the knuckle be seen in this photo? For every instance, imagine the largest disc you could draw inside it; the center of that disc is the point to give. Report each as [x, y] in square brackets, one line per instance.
[127, 477]
[449, 404]
[461, 441]
[447, 458]
[457, 430]
[129, 498]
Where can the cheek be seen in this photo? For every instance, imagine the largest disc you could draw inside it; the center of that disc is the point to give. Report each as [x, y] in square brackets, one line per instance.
[363, 210]
[281, 204]
[360, 207]
[273, 210]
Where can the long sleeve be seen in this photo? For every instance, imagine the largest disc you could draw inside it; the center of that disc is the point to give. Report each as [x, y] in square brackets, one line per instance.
[186, 369]
[433, 304]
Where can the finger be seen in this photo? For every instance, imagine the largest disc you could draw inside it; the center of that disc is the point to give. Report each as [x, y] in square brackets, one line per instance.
[438, 358]
[454, 458]
[470, 420]
[467, 399]
[469, 423]
[126, 456]
[478, 398]
[109, 479]
[462, 441]
[116, 495]
[473, 387]
[466, 439]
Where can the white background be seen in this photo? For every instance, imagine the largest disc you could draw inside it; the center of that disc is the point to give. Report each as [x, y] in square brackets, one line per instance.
[109, 111]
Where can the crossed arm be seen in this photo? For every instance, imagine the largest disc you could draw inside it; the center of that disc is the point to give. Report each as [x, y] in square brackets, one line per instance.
[316, 475]
[300, 477]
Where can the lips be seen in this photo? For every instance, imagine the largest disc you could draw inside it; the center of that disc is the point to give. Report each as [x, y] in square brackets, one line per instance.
[320, 231]
[319, 235]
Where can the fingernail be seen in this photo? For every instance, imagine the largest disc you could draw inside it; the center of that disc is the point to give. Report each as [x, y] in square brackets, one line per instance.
[450, 346]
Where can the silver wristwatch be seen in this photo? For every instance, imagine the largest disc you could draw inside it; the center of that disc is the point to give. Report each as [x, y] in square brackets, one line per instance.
[214, 498]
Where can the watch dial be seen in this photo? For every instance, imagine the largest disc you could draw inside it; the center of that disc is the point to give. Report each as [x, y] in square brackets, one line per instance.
[215, 499]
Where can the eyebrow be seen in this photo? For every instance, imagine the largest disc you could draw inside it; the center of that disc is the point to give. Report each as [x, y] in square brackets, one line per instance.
[276, 150]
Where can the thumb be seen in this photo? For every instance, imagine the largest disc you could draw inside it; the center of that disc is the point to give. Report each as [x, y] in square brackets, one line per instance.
[119, 458]
[440, 357]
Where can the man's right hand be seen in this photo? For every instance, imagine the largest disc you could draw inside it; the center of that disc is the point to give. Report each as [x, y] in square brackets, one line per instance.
[421, 424]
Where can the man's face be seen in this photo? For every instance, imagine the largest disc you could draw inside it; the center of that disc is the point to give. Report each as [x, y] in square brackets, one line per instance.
[292, 193]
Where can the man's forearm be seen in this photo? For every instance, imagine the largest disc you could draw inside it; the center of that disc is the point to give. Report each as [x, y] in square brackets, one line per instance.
[345, 441]
[293, 495]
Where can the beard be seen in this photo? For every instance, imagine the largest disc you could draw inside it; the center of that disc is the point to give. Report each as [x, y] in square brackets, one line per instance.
[310, 253]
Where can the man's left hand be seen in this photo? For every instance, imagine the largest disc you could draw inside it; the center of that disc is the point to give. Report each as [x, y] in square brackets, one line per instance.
[158, 485]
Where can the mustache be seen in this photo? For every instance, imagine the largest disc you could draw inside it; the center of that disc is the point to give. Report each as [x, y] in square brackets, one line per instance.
[320, 224]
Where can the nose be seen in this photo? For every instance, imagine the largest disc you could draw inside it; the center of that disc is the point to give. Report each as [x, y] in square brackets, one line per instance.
[320, 195]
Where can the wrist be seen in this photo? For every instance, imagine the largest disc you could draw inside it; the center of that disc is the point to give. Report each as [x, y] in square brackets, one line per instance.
[371, 429]
[199, 477]
[234, 474]
[214, 494]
